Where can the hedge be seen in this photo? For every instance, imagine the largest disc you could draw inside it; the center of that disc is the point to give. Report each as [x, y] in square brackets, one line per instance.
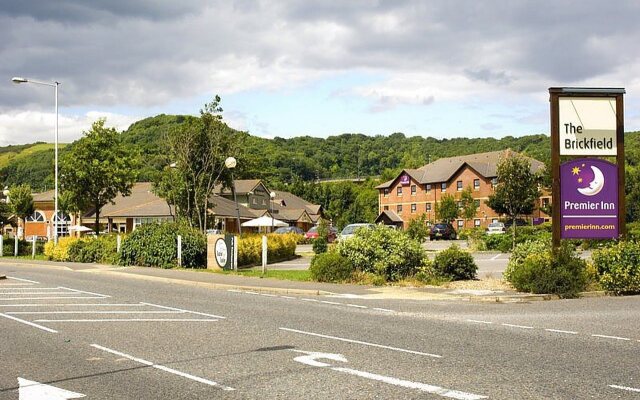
[618, 267]
[280, 247]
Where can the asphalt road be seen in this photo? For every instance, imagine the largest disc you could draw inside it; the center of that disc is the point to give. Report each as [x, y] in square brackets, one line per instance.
[110, 336]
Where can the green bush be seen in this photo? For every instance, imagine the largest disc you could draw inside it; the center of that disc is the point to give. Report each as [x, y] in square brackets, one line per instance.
[618, 267]
[95, 250]
[418, 229]
[59, 251]
[330, 267]
[633, 231]
[534, 267]
[504, 242]
[383, 251]
[319, 245]
[279, 247]
[476, 238]
[155, 245]
[24, 246]
[455, 264]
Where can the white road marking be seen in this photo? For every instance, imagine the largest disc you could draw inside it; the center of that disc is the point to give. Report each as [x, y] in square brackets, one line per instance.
[251, 292]
[518, 326]
[21, 279]
[311, 359]
[346, 296]
[305, 299]
[355, 305]
[72, 305]
[130, 320]
[330, 302]
[32, 390]
[611, 337]
[187, 311]
[629, 389]
[382, 309]
[162, 367]
[44, 328]
[31, 288]
[561, 331]
[288, 297]
[234, 290]
[84, 291]
[361, 342]
[52, 298]
[268, 295]
[92, 312]
[496, 256]
[477, 321]
[32, 293]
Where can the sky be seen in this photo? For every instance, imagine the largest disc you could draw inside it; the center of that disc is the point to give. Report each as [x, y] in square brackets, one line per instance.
[445, 69]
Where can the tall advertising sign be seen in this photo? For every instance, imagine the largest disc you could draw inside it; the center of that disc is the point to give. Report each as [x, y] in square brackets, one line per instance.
[588, 192]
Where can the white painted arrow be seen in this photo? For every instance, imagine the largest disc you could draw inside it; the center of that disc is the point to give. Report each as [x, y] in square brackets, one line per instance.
[31, 390]
[311, 359]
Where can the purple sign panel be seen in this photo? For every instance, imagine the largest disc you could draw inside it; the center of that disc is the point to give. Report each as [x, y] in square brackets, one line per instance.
[405, 180]
[589, 199]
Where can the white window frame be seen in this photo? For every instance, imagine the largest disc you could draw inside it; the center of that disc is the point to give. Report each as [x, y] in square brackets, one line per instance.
[39, 214]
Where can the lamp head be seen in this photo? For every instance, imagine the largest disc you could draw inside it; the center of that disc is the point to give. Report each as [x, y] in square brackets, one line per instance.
[17, 79]
[272, 195]
[230, 162]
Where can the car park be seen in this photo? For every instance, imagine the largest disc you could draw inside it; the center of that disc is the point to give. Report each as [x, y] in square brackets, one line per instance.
[313, 234]
[442, 230]
[351, 229]
[289, 229]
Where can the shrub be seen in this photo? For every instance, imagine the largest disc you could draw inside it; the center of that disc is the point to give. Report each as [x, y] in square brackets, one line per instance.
[319, 245]
[534, 267]
[279, 247]
[24, 247]
[476, 238]
[418, 229]
[455, 264]
[503, 242]
[59, 252]
[155, 245]
[618, 267]
[383, 251]
[330, 267]
[95, 250]
[633, 231]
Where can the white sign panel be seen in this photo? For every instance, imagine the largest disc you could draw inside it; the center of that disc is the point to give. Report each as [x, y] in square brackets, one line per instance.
[587, 126]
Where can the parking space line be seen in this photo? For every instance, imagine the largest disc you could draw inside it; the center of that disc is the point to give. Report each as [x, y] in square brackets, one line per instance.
[51, 298]
[517, 326]
[31, 293]
[330, 302]
[92, 312]
[611, 337]
[477, 321]
[382, 309]
[22, 279]
[44, 328]
[84, 291]
[561, 331]
[130, 320]
[73, 305]
[355, 306]
[629, 389]
[187, 311]
[361, 342]
[496, 256]
[31, 288]
[163, 368]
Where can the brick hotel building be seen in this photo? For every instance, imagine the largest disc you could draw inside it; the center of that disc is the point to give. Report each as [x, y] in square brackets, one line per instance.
[418, 191]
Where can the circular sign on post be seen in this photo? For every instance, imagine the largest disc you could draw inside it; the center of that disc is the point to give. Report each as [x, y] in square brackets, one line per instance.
[221, 252]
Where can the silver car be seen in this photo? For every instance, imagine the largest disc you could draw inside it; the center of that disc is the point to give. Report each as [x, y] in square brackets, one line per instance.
[351, 229]
[496, 228]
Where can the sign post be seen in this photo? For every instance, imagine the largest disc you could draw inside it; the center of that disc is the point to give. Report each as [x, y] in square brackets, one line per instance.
[588, 193]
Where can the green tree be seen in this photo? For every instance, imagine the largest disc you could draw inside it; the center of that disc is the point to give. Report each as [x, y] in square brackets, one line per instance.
[97, 168]
[447, 209]
[21, 202]
[418, 229]
[469, 205]
[516, 191]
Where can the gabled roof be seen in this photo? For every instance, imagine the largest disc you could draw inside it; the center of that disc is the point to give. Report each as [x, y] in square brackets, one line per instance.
[443, 169]
[44, 196]
[141, 203]
[243, 186]
[390, 215]
[292, 215]
[286, 200]
[222, 207]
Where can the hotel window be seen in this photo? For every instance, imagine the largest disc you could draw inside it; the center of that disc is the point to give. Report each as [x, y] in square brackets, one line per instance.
[476, 223]
[459, 185]
[443, 186]
[399, 208]
[37, 216]
[545, 202]
[399, 191]
[386, 193]
[386, 208]
[427, 187]
[476, 184]
[413, 208]
[460, 223]
[494, 182]
[428, 206]
[414, 189]
[460, 205]
[476, 203]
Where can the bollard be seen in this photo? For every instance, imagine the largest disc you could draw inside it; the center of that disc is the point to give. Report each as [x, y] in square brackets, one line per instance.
[118, 243]
[33, 247]
[15, 246]
[235, 253]
[179, 251]
[1, 246]
[264, 254]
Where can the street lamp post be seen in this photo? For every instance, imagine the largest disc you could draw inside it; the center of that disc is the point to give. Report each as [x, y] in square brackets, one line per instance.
[55, 85]
[272, 196]
[231, 163]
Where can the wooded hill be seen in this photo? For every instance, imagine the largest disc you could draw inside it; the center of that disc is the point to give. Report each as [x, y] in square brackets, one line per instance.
[280, 160]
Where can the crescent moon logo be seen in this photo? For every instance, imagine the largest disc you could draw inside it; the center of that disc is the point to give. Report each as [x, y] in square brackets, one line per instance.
[596, 185]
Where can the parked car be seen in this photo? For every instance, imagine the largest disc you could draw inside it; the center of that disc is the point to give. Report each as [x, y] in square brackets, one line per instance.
[442, 231]
[519, 222]
[351, 229]
[313, 234]
[289, 229]
[496, 228]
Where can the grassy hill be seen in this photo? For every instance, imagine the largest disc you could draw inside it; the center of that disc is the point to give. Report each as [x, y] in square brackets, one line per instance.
[287, 160]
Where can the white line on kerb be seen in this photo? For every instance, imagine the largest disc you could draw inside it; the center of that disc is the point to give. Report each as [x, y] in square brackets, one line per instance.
[561, 331]
[129, 320]
[44, 328]
[630, 389]
[21, 279]
[477, 321]
[162, 367]
[180, 309]
[361, 342]
[518, 326]
[611, 337]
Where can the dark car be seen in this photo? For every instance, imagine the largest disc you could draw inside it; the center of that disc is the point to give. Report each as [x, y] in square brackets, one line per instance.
[442, 231]
[289, 229]
[313, 234]
[519, 222]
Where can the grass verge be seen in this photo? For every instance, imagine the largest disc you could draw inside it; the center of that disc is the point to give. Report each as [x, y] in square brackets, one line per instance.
[286, 275]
